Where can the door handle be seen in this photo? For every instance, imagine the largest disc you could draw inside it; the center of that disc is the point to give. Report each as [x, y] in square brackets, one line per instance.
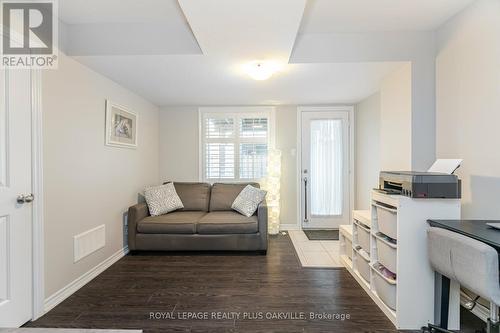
[25, 198]
[305, 200]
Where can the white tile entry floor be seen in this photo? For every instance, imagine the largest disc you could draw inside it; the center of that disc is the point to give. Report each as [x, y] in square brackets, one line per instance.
[324, 254]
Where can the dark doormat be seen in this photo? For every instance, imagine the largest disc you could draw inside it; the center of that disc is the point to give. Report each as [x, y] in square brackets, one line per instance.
[322, 234]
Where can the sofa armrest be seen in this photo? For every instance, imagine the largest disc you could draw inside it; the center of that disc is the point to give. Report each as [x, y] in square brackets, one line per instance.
[135, 214]
[262, 218]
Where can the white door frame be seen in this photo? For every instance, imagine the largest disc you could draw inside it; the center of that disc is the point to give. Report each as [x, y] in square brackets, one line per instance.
[337, 108]
[37, 190]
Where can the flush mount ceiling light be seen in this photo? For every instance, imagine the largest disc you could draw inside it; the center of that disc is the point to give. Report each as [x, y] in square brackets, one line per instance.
[261, 70]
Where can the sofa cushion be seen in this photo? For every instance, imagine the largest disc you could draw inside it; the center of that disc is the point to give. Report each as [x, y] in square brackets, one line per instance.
[223, 195]
[194, 196]
[248, 200]
[227, 222]
[162, 199]
[172, 223]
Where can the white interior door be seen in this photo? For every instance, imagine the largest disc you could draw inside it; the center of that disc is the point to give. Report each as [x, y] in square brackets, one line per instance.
[325, 182]
[15, 184]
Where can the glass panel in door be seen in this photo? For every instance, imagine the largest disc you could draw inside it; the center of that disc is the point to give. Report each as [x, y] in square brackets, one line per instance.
[326, 167]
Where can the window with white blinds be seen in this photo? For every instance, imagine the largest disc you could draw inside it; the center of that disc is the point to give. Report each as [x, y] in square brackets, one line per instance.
[234, 145]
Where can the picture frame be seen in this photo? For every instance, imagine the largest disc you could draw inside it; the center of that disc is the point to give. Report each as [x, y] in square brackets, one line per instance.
[121, 126]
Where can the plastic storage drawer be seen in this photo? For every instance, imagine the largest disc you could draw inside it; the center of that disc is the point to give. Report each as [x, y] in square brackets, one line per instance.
[386, 289]
[363, 267]
[363, 237]
[387, 254]
[348, 248]
[387, 221]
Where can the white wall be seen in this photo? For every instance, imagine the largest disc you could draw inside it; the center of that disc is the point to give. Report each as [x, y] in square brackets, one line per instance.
[367, 149]
[179, 139]
[468, 104]
[179, 155]
[286, 141]
[384, 139]
[396, 120]
[87, 183]
[416, 47]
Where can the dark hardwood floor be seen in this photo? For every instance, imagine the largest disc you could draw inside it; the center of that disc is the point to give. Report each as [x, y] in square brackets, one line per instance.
[127, 294]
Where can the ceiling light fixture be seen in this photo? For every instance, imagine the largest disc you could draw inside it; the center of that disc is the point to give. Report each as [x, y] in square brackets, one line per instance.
[261, 70]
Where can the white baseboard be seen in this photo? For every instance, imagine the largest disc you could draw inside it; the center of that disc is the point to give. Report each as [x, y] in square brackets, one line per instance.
[292, 226]
[60, 295]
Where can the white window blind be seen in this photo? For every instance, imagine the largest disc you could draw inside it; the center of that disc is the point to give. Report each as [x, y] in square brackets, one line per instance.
[253, 127]
[219, 128]
[253, 160]
[220, 160]
[234, 145]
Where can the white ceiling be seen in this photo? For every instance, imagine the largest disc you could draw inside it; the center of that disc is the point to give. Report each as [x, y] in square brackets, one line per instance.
[257, 29]
[323, 16]
[149, 46]
[125, 27]
[121, 11]
[201, 80]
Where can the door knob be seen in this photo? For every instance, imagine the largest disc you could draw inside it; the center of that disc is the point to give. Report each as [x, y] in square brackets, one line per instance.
[25, 198]
[29, 198]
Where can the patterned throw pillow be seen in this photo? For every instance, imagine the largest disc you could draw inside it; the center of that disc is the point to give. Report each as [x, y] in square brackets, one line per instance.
[162, 199]
[248, 200]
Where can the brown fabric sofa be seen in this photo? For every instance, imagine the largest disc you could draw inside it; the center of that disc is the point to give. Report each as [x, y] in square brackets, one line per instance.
[206, 222]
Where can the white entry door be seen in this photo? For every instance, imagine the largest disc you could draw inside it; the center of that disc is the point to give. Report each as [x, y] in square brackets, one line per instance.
[325, 182]
[15, 207]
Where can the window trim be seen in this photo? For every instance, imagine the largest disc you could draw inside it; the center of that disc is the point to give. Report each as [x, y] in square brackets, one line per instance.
[251, 111]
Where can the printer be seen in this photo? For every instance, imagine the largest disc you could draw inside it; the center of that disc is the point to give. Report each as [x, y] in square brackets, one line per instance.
[420, 184]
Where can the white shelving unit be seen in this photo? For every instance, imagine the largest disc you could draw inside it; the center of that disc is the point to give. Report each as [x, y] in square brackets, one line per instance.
[363, 216]
[408, 300]
[360, 218]
[345, 238]
[347, 250]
